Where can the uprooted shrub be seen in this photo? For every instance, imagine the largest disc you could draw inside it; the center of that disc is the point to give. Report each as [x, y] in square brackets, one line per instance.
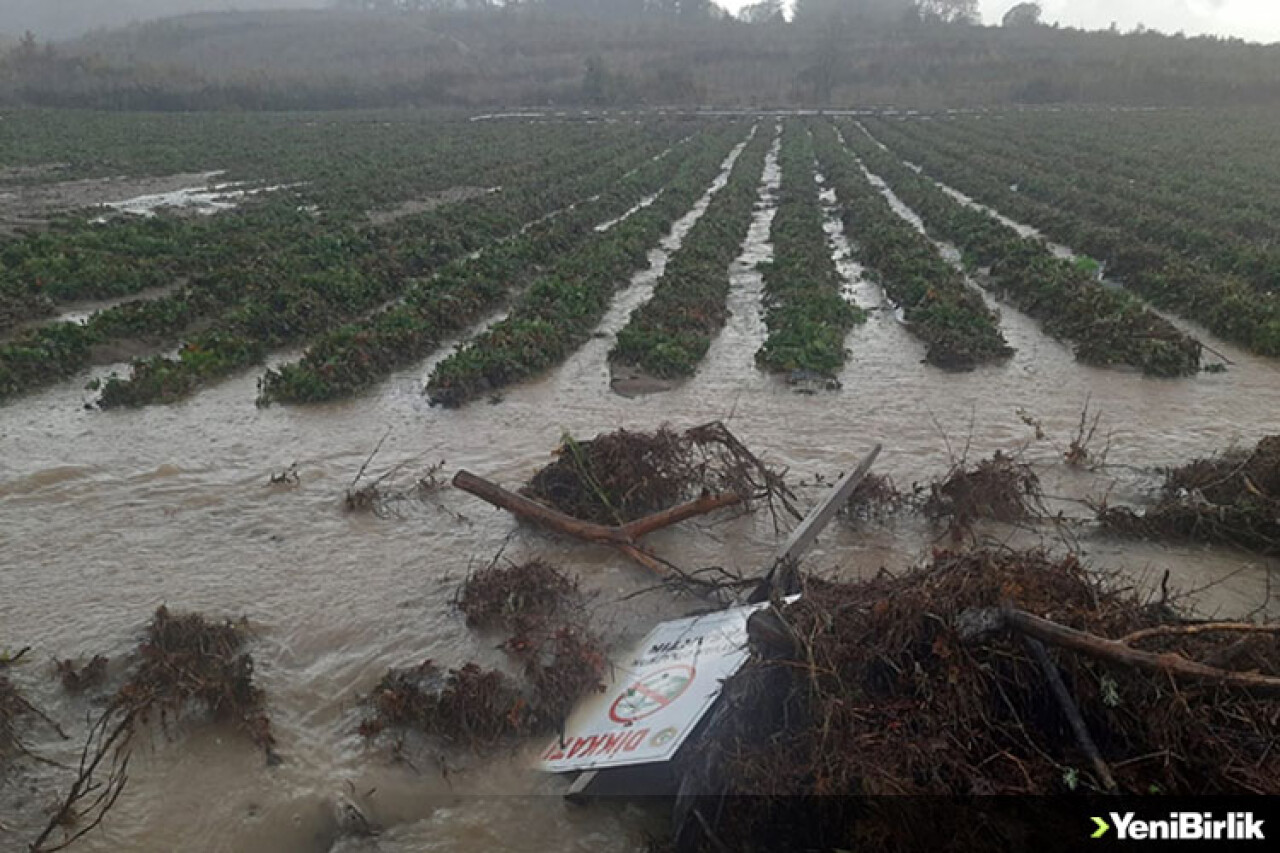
[622, 476]
[887, 692]
[183, 660]
[519, 598]
[1231, 499]
[79, 678]
[186, 659]
[559, 661]
[1001, 488]
[875, 498]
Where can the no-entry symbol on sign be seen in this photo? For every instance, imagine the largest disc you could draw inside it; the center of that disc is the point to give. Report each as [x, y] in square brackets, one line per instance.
[649, 695]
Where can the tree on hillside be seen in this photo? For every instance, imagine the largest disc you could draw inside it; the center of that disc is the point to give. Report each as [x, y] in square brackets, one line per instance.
[825, 13]
[949, 11]
[1023, 15]
[764, 12]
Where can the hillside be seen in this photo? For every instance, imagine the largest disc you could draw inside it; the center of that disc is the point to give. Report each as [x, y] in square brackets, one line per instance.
[65, 19]
[330, 58]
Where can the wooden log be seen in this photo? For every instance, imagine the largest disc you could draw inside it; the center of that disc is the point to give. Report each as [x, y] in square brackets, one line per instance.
[1116, 651]
[623, 538]
[536, 512]
[782, 572]
[703, 505]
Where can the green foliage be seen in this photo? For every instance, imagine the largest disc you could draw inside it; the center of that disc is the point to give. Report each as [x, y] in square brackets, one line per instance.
[559, 310]
[806, 315]
[940, 308]
[1108, 326]
[670, 334]
[1168, 216]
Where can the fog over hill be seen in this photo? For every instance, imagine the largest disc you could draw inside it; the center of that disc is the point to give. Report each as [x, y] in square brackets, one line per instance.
[62, 19]
[361, 53]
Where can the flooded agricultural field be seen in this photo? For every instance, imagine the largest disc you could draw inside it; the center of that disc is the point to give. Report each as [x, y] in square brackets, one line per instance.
[416, 298]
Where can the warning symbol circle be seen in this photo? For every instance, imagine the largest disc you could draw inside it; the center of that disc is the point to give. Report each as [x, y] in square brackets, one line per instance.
[651, 694]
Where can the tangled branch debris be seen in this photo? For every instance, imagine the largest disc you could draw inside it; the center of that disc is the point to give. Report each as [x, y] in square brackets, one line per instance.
[560, 661]
[520, 599]
[1231, 499]
[1001, 488]
[182, 660]
[13, 708]
[875, 499]
[622, 476]
[77, 679]
[187, 659]
[904, 685]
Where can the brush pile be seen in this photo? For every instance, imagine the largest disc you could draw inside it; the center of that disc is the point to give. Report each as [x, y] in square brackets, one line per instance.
[1231, 499]
[186, 659]
[559, 660]
[623, 476]
[884, 690]
[874, 499]
[1001, 488]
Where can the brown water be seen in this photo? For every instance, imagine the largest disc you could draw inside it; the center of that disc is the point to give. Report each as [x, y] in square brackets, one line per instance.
[107, 515]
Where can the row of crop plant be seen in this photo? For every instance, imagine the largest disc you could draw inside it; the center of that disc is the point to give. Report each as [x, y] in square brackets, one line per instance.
[83, 255]
[805, 311]
[559, 311]
[303, 307]
[284, 271]
[1190, 222]
[348, 359]
[940, 308]
[1227, 305]
[1107, 325]
[670, 334]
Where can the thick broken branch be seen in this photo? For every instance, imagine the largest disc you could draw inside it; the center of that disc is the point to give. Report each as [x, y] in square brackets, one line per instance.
[974, 624]
[1200, 628]
[623, 538]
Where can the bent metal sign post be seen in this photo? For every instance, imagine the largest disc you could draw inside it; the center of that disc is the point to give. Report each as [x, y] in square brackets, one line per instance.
[656, 697]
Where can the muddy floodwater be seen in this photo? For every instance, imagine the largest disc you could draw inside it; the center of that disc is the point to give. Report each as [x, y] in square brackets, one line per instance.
[107, 515]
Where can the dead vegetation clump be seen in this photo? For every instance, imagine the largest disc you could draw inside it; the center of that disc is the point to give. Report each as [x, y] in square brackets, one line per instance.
[186, 659]
[1001, 488]
[1231, 499]
[886, 687]
[559, 660]
[183, 660]
[622, 476]
[875, 499]
[77, 679]
[519, 598]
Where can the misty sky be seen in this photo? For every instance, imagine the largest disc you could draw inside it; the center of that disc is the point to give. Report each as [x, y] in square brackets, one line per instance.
[1256, 20]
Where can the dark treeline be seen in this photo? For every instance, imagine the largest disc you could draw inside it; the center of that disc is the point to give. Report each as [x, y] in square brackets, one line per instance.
[470, 53]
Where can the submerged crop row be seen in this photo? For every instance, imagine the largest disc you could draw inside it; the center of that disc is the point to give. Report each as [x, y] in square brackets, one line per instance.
[344, 361]
[83, 255]
[805, 312]
[372, 267]
[1107, 325]
[280, 250]
[558, 312]
[940, 308]
[1226, 304]
[670, 334]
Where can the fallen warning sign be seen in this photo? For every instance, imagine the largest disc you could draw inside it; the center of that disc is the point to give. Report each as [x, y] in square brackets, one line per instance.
[656, 696]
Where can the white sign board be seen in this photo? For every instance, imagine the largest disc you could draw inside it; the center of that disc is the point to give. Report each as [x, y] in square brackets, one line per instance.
[656, 696]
